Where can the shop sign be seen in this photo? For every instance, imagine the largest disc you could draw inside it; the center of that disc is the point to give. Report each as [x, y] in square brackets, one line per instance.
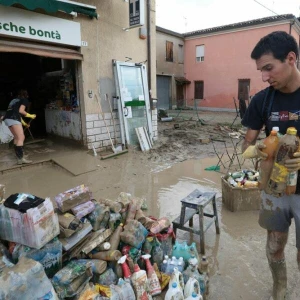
[136, 13]
[31, 25]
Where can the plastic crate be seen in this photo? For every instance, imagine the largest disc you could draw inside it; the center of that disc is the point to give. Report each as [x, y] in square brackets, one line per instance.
[240, 199]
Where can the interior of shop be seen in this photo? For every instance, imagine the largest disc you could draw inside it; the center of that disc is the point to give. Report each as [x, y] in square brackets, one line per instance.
[50, 82]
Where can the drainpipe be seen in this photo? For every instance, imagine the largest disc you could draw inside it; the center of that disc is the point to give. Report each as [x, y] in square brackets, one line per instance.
[149, 50]
[291, 24]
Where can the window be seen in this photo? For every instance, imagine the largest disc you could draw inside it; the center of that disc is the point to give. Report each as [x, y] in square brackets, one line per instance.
[180, 54]
[199, 89]
[199, 53]
[169, 51]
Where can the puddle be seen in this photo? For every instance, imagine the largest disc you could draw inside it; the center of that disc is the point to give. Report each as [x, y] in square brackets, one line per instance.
[237, 263]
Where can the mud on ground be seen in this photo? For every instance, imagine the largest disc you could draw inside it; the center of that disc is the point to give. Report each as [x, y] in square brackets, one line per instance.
[190, 136]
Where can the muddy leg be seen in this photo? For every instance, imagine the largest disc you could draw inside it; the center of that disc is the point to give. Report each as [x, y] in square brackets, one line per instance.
[276, 242]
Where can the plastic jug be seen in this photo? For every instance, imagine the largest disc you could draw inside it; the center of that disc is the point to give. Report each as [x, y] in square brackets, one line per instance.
[192, 271]
[287, 146]
[174, 293]
[266, 165]
[177, 277]
[194, 296]
[192, 286]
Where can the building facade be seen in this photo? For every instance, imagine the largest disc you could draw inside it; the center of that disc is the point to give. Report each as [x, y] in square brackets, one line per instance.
[64, 57]
[170, 77]
[217, 61]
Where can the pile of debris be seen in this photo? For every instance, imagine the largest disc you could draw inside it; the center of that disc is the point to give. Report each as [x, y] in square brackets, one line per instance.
[81, 248]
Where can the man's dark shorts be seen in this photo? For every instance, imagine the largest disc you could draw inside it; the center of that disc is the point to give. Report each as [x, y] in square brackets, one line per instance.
[276, 213]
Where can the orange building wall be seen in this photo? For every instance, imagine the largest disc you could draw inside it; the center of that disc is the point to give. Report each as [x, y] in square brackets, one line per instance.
[226, 59]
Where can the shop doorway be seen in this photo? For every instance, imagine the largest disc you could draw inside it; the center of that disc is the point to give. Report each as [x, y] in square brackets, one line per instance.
[52, 88]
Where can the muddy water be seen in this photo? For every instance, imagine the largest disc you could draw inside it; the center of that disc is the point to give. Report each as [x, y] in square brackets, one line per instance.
[238, 266]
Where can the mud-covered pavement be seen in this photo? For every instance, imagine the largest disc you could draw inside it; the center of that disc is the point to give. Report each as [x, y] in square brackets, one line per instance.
[238, 266]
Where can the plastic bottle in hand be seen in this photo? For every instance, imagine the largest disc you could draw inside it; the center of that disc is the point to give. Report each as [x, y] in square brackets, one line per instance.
[266, 165]
[287, 146]
[291, 183]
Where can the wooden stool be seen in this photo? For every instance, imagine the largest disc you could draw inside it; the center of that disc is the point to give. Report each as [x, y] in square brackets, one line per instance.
[194, 204]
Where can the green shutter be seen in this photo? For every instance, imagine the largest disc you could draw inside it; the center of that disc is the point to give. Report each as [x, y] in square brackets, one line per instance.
[52, 6]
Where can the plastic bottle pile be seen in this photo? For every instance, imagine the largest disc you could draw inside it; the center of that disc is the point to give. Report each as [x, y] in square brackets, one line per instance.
[243, 179]
[92, 250]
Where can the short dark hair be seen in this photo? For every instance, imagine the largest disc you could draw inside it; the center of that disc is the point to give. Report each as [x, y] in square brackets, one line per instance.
[278, 43]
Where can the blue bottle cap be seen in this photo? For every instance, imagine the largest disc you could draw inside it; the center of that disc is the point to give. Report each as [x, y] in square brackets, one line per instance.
[174, 285]
[194, 295]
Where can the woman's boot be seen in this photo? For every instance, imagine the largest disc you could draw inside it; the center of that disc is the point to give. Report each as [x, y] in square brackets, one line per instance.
[20, 156]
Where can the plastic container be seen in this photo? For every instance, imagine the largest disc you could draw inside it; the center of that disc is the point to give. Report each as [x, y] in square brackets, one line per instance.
[185, 251]
[194, 296]
[203, 265]
[139, 282]
[25, 279]
[115, 238]
[192, 287]
[177, 277]
[125, 267]
[192, 271]
[287, 146]
[174, 293]
[266, 165]
[154, 285]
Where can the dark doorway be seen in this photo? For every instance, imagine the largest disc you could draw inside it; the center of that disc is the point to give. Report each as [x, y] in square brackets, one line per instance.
[179, 95]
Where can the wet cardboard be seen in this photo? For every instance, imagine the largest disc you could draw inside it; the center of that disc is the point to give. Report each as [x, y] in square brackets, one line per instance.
[71, 241]
[73, 197]
[35, 228]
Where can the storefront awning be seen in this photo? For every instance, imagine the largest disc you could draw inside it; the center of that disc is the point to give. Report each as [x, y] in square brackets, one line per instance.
[40, 50]
[52, 6]
[182, 80]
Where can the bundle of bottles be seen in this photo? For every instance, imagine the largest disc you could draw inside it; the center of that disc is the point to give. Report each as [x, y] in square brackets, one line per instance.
[274, 177]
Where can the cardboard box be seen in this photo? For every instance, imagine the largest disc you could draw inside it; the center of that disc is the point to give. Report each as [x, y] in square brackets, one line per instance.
[240, 199]
[35, 228]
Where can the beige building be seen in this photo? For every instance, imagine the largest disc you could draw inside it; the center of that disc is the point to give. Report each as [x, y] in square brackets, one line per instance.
[170, 69]
[63, 53]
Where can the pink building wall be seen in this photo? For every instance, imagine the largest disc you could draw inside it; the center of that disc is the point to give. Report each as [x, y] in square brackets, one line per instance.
[226, 59]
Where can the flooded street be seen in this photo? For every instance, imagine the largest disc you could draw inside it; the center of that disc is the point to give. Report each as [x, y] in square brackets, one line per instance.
[237, 262]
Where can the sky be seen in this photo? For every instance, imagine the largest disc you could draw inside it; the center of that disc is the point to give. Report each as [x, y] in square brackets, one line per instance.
[190, 15]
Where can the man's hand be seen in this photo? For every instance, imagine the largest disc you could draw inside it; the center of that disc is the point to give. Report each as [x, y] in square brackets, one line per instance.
[255, 151]
[293, 164]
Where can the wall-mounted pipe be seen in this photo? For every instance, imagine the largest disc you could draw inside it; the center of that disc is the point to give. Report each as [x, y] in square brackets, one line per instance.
[149, 49]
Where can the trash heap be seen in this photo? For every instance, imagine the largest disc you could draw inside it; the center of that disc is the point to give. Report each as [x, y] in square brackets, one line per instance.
[77, 247]
[243, 179]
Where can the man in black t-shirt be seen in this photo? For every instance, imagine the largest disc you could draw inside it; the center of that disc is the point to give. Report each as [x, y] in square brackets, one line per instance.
[278, 105]
[13, 119]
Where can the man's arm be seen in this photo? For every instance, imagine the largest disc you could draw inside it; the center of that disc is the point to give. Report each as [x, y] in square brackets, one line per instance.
[250, 138]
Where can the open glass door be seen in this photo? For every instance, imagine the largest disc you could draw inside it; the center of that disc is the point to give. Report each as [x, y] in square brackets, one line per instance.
[134, 105]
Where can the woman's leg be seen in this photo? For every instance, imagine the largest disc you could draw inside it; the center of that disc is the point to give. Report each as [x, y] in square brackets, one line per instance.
[19, 137]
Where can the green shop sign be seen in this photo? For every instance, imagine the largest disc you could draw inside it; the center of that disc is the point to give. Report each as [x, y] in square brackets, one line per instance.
[11, 27]
[26, 24]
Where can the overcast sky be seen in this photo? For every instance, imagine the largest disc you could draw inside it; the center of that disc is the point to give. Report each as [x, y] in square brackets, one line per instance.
[189, 15]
